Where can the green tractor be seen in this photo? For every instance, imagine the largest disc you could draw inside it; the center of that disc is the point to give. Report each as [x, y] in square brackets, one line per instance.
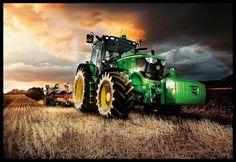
[119, 76]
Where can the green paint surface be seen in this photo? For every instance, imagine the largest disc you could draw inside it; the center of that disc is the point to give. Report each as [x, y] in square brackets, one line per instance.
[184, 92]
[170, 90]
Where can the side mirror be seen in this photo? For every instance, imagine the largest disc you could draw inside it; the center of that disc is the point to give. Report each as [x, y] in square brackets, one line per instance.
[90, 38]
[172, 72]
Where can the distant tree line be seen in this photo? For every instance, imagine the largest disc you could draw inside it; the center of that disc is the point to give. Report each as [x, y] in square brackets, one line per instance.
[16, 91]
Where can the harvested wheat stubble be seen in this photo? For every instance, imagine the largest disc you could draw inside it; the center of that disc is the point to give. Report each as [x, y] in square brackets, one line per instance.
[39, 132]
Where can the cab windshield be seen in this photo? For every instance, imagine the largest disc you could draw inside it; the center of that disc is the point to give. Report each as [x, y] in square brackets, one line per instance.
[119, 48]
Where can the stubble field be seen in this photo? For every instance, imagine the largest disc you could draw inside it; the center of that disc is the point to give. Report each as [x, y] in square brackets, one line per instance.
[33, 131]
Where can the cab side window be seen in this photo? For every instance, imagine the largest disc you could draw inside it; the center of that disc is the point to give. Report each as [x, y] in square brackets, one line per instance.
[96, 53]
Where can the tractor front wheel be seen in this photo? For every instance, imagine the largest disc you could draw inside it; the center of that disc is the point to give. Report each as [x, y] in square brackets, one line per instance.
[82, 99]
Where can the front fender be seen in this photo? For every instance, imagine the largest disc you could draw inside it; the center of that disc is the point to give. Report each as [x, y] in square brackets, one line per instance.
[90, 67]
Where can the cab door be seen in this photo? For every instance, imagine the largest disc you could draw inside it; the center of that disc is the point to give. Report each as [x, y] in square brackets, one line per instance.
[96, 57]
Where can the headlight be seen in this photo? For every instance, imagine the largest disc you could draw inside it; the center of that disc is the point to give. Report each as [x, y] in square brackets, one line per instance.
[151, 60]
[170, 84]
[163, 63]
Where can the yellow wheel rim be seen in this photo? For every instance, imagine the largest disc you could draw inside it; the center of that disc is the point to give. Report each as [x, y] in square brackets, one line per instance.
[105, 94]
[79, 90]
[105, 97]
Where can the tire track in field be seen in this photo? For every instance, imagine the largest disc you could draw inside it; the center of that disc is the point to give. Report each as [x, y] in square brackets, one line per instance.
[20, 110]
[21, 101]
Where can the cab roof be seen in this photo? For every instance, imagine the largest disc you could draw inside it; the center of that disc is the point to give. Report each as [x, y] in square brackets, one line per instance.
[118, 39]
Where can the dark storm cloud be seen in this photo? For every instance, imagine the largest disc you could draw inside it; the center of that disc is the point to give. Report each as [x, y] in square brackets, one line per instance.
[203, 30]
[196, 39]
[187, 24]
[173, 26]
[183, 24]
[198, 63]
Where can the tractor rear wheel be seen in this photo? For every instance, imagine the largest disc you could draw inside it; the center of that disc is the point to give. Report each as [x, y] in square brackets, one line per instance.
[114, 95]
[82, 99]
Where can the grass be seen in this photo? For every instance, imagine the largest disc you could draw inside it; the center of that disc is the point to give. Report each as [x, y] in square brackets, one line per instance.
[33, 132]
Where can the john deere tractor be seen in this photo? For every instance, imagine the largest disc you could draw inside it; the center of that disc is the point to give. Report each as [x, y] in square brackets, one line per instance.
[119, 75]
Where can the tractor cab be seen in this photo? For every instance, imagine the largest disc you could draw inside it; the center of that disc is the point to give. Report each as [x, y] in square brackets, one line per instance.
[111, 51]
[107, 49]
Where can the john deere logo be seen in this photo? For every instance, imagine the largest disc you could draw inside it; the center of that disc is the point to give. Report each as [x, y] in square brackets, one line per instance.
[195, 90]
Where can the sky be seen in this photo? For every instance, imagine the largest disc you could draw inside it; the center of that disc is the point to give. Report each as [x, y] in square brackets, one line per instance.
[44, 43]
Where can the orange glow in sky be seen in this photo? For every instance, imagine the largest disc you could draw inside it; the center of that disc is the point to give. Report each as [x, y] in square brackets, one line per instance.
[43, 43]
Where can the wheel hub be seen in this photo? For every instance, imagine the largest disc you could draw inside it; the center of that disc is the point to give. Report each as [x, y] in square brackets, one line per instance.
[105, 98]
[108, 97]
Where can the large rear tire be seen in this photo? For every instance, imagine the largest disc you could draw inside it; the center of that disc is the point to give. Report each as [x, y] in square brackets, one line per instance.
[83, 101]
[114, 95]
